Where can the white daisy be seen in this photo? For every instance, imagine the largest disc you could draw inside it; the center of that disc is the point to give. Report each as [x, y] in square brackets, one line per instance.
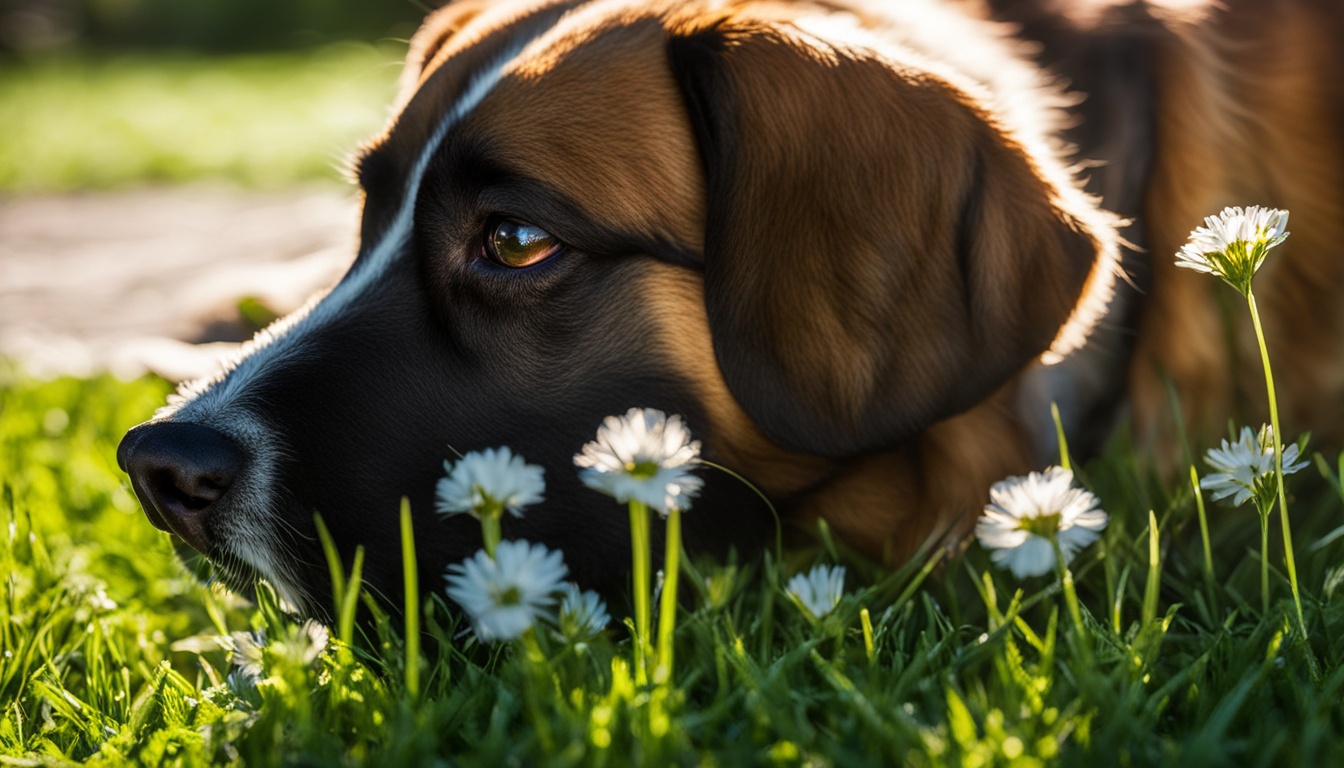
[1245, 468]
[305, 644]
[488, 481]
[1026, 513]
[582, 613]
[300, 645]
[644, 456]
[247, 650]
[1233, 244]
[819, 590]
[506, 595]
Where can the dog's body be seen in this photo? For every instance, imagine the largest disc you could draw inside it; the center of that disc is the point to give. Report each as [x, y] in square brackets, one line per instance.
[1191, 107]
[844, 241]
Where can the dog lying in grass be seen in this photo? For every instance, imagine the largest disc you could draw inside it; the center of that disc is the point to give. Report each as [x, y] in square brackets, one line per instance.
[859, 248]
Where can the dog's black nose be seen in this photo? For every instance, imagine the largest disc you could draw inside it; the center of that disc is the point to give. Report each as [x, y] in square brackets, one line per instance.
[179, 471]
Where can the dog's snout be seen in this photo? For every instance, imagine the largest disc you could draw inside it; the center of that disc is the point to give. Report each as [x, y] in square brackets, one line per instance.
[179, 472]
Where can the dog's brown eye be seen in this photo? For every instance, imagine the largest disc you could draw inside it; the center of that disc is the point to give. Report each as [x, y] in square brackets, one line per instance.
[515, 244]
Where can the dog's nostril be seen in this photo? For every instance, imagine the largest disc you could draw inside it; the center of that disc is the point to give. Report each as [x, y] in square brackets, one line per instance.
[179, 472]
[184, 490]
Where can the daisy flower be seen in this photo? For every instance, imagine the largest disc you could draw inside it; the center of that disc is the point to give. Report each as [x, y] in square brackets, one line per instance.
[819, 590]
[582, 613]
[485, 482]
[1245, 468]
[1026, 514]
[308, 642]
[246, 652]
[643, 456]
[1233, 244]
[299, 645]
[505, 595]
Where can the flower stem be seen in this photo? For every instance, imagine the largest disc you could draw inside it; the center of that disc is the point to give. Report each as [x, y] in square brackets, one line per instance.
[639, 551]
[1264, 560]
[667, 610]
[1278, 462]
[1071, 599]
[538, 676]
[490, 530]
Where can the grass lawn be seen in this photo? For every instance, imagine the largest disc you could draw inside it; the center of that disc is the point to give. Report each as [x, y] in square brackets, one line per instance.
[112, 653]
[261, 120]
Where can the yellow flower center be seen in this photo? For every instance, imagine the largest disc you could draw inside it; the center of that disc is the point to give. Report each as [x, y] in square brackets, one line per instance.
[1045, 526]
[642, 470]
[1239, 263]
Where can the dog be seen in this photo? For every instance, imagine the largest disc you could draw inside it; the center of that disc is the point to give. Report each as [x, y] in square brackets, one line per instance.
[860, 248]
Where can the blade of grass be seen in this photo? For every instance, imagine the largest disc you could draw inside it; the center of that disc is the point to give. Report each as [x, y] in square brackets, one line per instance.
[1152, 588]
[350, 602]
[1064, 461]
[333, 558]
[1209, 577]
[410, 580]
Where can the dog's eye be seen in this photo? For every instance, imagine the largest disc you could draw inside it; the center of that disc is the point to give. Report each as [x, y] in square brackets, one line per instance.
[514, 244]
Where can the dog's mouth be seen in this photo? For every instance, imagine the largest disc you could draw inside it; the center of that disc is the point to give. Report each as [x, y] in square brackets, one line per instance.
[231, 572]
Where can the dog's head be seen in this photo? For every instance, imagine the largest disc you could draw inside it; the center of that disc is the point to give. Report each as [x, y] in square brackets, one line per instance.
[811, 247]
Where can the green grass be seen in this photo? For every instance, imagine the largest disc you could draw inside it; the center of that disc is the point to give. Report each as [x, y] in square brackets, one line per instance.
[262, 120]
[109, 651]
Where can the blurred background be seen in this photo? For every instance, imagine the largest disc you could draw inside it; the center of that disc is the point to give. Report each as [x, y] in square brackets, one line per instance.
[171, 172]
[199, 26]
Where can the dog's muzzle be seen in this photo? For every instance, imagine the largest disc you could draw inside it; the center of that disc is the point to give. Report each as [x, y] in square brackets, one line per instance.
[180, 472]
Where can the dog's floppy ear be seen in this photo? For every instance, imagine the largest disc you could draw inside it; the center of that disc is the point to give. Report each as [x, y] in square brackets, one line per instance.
[437, 29]
[879, 255]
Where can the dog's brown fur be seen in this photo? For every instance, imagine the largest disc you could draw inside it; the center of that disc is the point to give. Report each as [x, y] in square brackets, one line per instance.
[1250, 110]
[1245, 106]
[866, 301]
[882, 278]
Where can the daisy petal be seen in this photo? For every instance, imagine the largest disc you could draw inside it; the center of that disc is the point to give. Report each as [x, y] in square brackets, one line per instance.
[819, 590]
[1233, 244]
[494, 477]
[643, 456]
[506, 595]
[1026, 513]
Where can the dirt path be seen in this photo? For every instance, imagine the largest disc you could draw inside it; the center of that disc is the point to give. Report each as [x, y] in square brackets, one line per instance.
[125, 281]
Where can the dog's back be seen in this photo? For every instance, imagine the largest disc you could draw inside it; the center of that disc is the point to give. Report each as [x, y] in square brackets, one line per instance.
[1250, 111]
[1189, 107]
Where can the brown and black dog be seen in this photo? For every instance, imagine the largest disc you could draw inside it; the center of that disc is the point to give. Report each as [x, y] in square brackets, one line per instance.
[859, 247]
